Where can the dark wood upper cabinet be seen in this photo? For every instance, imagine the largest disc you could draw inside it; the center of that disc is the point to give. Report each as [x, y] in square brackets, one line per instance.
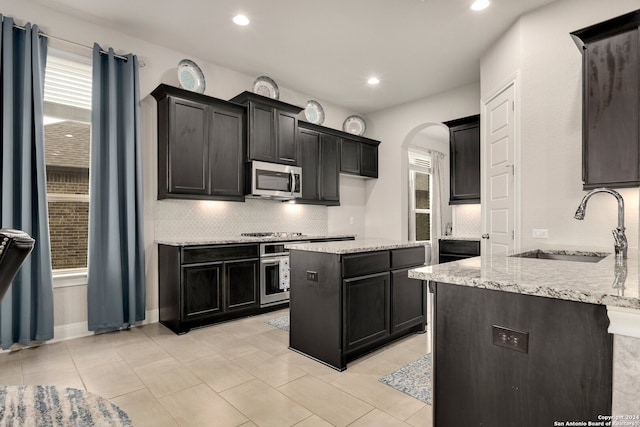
[272, 128]
[464, 145]
[309, 143]
[359, 156]
[369, 160]
[349, 156]
[200, 146]
[318, 157]
[611, 102]
[329, 171]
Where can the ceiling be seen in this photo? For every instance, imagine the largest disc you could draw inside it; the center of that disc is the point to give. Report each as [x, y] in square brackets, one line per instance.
[324, 48]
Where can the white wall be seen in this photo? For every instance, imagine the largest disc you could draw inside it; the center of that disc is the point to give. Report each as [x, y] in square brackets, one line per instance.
[160, 67]
[386, 211]
[539, 47]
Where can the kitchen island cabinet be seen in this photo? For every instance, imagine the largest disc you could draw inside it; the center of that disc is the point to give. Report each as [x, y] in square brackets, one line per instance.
[529, 341]
[349, 298]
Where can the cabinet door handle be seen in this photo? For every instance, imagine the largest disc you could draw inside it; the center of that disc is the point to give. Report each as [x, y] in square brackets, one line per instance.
[485, 236]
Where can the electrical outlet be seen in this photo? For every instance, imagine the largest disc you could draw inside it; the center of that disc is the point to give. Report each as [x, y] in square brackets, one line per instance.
[312, 276]
[540, 233]
[510, 338]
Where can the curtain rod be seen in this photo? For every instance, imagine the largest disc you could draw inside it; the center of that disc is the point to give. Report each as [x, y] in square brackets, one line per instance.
[40, 33]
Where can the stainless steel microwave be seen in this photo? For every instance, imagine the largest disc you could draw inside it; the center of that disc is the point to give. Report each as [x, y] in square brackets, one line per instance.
[275, 181]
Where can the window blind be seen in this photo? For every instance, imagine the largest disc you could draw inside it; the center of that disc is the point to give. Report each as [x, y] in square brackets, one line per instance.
[67, 81]
[419, 159]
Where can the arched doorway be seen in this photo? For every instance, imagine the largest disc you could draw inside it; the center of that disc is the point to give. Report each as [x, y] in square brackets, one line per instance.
[426, 137]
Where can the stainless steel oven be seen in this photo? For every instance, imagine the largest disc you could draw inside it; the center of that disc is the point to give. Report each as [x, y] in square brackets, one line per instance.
[274, 273]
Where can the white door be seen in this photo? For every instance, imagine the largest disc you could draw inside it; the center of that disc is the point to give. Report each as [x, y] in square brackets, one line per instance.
[499, 173]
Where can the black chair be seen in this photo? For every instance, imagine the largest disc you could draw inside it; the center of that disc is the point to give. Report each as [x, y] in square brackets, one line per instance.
[15, 246]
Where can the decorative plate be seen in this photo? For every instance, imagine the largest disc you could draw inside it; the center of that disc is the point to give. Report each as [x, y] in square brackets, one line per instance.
[190, 76]
[265, 86]
[314, 112]
[354, 125]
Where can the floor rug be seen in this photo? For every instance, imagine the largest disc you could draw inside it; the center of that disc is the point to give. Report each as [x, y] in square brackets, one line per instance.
[413, 379]
[280, 322]
[50, 406]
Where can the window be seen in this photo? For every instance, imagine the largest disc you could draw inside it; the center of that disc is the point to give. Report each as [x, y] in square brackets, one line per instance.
[67, 111]
[419, 196]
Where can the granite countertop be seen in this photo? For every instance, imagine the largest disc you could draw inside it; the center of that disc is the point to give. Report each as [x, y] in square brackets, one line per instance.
[352, 246]
[567, 280]
[472, 238]
[243, 239]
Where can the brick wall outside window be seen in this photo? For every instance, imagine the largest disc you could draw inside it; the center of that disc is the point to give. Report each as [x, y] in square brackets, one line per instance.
[67, 159]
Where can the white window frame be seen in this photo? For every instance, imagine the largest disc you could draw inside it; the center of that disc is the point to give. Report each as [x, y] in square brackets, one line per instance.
[419, 162]
[68, 277]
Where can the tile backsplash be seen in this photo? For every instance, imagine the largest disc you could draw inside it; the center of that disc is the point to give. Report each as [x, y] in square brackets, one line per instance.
[467, 221]
[194, 219]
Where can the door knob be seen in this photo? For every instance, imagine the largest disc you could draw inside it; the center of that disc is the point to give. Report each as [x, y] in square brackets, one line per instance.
[485, 236]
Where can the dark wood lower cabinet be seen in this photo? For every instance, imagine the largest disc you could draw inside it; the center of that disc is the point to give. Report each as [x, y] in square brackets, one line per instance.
[367, 309]
[202, 290]
[242, 280]
[357, 302]
[201, 285]
[407, 301]
[455, 250]
[565, 374]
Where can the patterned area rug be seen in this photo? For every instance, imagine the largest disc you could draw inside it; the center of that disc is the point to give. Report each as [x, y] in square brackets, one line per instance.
[413, 379]
[280, 322]
[49, 406]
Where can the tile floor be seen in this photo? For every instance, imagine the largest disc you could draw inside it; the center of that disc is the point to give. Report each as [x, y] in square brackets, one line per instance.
[238, 373]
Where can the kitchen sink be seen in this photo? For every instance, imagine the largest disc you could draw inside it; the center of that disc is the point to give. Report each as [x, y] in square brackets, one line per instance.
[563, 255]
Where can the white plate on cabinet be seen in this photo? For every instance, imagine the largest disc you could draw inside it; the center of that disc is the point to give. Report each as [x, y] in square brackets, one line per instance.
[265, 86]
[314, 112]
[354, 125]
[190, 76]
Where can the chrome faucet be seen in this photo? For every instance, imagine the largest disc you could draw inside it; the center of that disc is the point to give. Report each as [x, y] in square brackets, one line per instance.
[619, 237]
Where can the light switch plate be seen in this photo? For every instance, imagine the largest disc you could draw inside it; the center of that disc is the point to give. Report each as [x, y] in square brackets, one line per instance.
[540, 233]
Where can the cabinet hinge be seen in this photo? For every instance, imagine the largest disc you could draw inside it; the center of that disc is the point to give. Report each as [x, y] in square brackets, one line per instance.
[513, 234]
[513, 105]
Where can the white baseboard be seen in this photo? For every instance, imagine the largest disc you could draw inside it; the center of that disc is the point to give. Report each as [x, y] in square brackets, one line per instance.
[81, 329]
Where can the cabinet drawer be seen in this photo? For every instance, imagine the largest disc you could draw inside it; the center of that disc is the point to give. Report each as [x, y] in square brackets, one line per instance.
[407, 257]
[196, 254]
[460, 247]
[365, 263]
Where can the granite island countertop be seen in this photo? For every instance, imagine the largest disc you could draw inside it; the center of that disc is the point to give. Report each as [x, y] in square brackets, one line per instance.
[352, 246]
[567, 280]
[247, 239]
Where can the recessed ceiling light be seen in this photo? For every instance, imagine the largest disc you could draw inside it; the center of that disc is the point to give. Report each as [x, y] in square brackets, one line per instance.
[241, 20]
[69, 135]
[373, 80]
[480, 4]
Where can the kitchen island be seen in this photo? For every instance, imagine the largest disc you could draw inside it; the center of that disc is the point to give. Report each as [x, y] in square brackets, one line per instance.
[349, 298]
[536, 338]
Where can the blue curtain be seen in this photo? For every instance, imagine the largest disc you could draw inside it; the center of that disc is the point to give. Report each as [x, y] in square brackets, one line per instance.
[116, 280]
[26, 312]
